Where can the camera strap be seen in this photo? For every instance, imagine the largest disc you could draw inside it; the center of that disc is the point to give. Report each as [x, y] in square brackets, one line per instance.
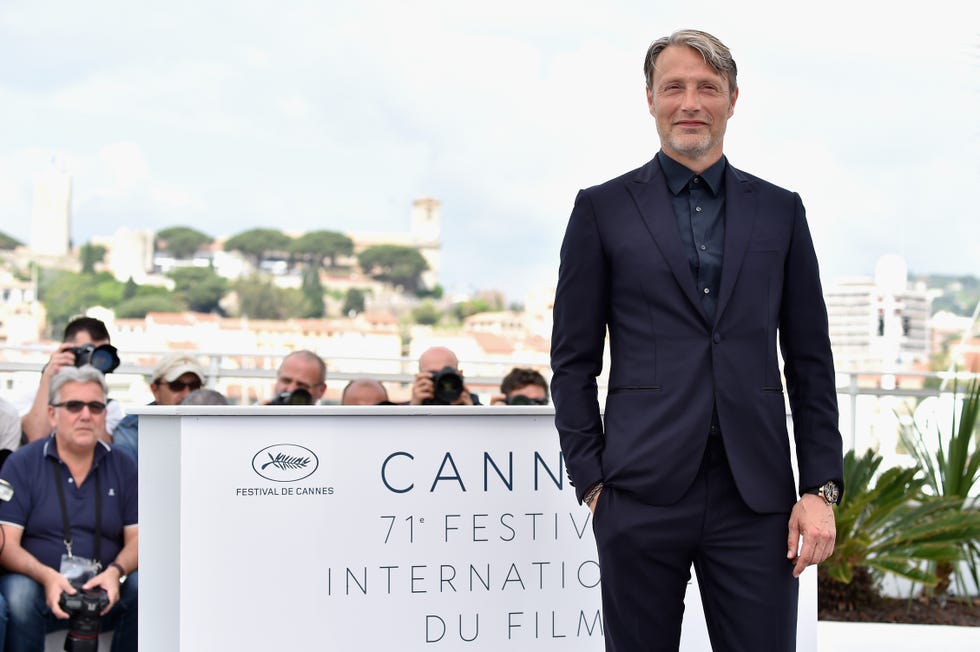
[59, 482]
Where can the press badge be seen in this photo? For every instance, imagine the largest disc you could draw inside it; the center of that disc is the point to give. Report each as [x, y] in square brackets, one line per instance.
[79, 570]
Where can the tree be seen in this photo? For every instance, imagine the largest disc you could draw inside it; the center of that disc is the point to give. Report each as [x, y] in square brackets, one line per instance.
[66, 294]
[130, 289]
[182, 241]
[353, 301]
[8, 242]
[261, 299]
[312, 291]
[138, 306]
[426, 313]
[257, 244]
[199, 287]
[394, 264]
[315, 246]
[89, 255]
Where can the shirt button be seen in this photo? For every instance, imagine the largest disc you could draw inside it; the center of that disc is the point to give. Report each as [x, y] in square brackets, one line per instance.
[707, 291]
[697, 179]
[698, 209]
[704, 247]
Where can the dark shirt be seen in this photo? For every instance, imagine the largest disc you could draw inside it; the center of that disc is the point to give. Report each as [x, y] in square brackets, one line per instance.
[35, 506]
[699, 207]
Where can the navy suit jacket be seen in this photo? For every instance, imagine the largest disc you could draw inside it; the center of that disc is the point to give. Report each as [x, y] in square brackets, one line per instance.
[623, 268]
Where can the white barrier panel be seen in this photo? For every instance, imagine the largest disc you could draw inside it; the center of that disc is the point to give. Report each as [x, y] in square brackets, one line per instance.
[328, 528]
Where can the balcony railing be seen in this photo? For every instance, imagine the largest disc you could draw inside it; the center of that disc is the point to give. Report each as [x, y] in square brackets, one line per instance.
[874, 405]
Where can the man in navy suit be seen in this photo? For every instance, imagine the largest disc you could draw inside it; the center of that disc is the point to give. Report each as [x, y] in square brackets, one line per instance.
[696, 269]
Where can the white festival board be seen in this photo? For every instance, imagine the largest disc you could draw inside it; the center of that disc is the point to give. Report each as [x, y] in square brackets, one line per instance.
[370, 529]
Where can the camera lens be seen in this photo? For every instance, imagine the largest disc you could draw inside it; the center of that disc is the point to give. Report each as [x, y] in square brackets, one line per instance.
[103, 360]
[296, 397]
[448, 385]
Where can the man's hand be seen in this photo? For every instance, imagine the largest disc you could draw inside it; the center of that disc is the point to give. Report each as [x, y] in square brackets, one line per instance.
[423, 389]
[108, 580]
[54, 584]
[594, 501]
[63, 357]
[813, 519]
[464, 397]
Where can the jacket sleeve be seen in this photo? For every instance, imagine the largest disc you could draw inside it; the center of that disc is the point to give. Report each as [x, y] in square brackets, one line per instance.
[580, 317]
[808, 362]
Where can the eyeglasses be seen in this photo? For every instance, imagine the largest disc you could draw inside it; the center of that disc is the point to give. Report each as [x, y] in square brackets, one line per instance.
[94, 407]
[179, 385]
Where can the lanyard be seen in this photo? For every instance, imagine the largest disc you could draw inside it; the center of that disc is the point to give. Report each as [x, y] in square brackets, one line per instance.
[59, 482]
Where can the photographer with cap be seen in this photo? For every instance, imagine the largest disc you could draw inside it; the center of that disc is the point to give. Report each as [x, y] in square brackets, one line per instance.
[175, 376]
[440, 380]
[522, 387]
[85, 341]
[300, 380]
[71, 526]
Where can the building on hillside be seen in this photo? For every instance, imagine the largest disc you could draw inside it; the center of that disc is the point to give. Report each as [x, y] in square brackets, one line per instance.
[879, 323]
[51, 212]
[21, 317]
[366, 346]
[424, 235]
[129, 254]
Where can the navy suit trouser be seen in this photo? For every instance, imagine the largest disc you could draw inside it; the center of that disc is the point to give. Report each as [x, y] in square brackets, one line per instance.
[646, 551]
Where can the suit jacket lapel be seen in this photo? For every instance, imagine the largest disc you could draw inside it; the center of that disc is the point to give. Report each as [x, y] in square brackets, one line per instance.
[741, 206]
[649, 190]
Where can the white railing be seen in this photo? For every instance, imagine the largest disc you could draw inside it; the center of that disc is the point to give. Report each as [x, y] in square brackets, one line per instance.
[872, 403]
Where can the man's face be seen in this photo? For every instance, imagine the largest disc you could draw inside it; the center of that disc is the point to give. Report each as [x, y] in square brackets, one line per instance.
[81, 338]
[692, 105]
[299, 372]
[78, 430]
[172, 393]
[533, 392]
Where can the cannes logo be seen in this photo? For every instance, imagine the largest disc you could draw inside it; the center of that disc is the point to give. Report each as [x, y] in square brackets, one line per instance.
[285, 462]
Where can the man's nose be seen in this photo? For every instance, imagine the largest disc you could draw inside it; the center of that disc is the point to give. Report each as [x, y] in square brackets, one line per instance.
[691, 99]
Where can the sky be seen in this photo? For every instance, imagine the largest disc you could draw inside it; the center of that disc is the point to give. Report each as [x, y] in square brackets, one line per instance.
[337, 114]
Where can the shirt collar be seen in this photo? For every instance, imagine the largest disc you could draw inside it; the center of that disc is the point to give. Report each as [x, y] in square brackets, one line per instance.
[679, 176]
[51, 450]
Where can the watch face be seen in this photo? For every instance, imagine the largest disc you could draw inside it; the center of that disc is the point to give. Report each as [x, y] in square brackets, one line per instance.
[831, 492]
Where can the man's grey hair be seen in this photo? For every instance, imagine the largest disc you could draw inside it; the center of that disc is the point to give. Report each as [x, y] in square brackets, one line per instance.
[716, 54]
[84, 374]
[204, 396]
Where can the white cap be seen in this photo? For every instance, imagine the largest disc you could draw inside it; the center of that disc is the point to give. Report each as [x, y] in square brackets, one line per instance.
[174, 365]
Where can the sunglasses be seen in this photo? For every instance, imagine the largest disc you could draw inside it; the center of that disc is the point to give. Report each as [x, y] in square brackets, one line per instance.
[179, 385]
[94, 407]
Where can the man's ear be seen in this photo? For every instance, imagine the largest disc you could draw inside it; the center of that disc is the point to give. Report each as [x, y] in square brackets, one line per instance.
[731, 104]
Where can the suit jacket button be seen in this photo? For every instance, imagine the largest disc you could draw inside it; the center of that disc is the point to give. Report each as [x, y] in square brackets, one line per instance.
[716, 338]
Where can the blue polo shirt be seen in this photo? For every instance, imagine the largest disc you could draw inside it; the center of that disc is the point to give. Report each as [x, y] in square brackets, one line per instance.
[35, 506]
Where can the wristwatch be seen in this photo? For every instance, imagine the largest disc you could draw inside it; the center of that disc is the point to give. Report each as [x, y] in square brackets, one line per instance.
[829, 491]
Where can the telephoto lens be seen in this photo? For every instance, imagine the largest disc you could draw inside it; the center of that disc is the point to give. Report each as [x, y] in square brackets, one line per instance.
[295, 397]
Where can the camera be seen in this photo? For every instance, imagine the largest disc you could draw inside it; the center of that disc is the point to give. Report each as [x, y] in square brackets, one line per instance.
[85, 622]
[447, 385]
[520, 399]
[296, 397]
[103, 357]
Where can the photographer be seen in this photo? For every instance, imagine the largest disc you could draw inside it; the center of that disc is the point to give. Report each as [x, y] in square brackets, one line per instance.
[175, 376]
[71, 527]
[440, 380]
[85, 339]
[301, 379]
[522, 387]
[364, 391]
